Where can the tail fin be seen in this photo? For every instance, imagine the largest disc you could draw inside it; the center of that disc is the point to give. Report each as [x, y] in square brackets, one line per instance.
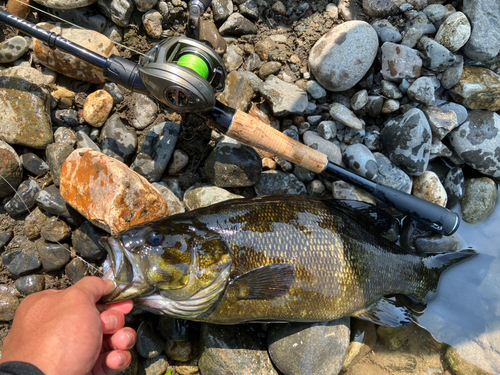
[438, 263]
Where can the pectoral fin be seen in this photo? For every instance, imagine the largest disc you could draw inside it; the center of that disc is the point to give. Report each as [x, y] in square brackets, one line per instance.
[386, 312]
[265, 282]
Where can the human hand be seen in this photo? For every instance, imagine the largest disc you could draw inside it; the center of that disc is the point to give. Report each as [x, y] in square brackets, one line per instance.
[65, 332]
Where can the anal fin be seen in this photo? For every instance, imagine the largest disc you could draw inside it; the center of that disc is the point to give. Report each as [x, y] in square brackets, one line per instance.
[386, 312]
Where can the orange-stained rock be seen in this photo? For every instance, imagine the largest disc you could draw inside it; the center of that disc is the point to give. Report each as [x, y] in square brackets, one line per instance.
[108, 193]
[18, 8]
[97, 108]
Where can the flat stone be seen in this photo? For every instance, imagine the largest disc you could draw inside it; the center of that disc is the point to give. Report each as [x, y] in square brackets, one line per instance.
[70, 65]
[345, 116]
[341, 57]
[285, 98]
[330, 149]
[21, 261]
[237, 25]
[53, 256]
[118, 11]
[25, 198]
[108, 193]
[10, 169]
[30, 284]
[8, 306]
[97, 108]
[238, 91]
[12, 49]
[198, 197]
[118, 141]
[65, 4]
[454, 32]
[50, 200]
[479, 199]
[279, 183]
[400, 62]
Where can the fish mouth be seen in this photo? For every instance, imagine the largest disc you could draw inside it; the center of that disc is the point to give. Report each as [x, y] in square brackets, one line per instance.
[124, 269]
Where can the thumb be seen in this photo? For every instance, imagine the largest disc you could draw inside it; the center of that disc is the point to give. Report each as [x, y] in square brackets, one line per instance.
[95, 287]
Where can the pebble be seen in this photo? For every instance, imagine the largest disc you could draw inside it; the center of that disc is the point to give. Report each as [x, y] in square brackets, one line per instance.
[97, 108]
[428, 187]
[66, 117]
[149, 342]
[330, 149]
[316, 189]
[34, 222]
[84, 141]
[279, 183]
[179, 161]
[359, 100]
[233, 58]
[113, 89]
[21, 261]
[458, 365]
[5, 238]
[118, 11]
[34, 164]
[361, 160]
[454, 32]
[477, 142]
[173, 329]
[459, 110]
[436, 13]
[12, 49]
[50, 200]
[303, 174]
[70, 65]
[238, 92]
[18, 8]
[198, 197]
[56, 154]
[341, 57]
[153, 157]
[181, 351]
[386, 31]
[327, 129]
[373, 139]
[478, 88]
[64, 97]
[76, 270]
[344, 190]
[407, 140]
[221, 10]
[108, 193]
[400, 62]
[249, 9]
[232, 164]
[452, 75]
[87, 17]
[285, 98]
[237, 25]
[479, 199]
[30, 284]
[85, 240]
[411, 36]
[422, 91]
[143, 111]
[153, 366]
[454, 184]
[145, 5]
[435, 56]
[318, 347]
[25, 198]
[210, 33]
[65, 4]
[55, 230]
[175, 205]
[8, 306]
[382, 9]
[390, 106]
[118, 141]
[314, 89]
[441, 122]
[439, 149]
[373, 108]
[345, 116]
[152, 21]
[65, 136]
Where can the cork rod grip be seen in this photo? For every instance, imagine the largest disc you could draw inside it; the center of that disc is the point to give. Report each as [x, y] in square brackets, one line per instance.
[251, 131]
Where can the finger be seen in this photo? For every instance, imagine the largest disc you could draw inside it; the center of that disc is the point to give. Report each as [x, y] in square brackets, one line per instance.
[112, 321]
[124, 339]
[111, 363]
[95, 287]
[123, 306]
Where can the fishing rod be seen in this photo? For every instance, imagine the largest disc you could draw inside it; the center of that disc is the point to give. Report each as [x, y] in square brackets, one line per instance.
[185, 74]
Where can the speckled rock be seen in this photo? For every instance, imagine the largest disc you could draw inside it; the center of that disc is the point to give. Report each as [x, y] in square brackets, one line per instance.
[10, 169]
[118, 11]
[55, 230]
[197, 197]
[428, 187]
[459, 110]
[422, 91]
[330, 149]
[441, 122]
[345, 116]
[238, 91]
[153, 366]
[143, 111]
[237, 25]
[97, 108]
[400, 62]
[65, 4]
[344, 190]
[34, 223]
[454, 32]
[279, 183]
[8, 306]
[435, 56]
[12, 49]
[285, 98]
[454, 184]
[69, 65]
[384, 8]
[341, 57]
[478, 88]
[361, 160]
[108, 193]
[477, 142]
[479, 199]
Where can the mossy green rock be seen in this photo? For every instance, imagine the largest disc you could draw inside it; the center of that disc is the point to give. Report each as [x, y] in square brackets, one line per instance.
[458, 366]
[394, 338]
[479, 199]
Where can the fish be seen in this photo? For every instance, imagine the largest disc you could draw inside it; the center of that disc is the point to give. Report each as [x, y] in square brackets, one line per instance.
[274, 259]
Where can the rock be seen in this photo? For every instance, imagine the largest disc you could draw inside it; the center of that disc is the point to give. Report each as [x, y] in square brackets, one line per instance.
[153, 366]
[237, 25]
[114, 91]
[407, 140]
[364, 337]
[279, 183]
[436, 13]
[419, 239]
[232, 164]
[24, 107]
[345, 116]
[373, 138]
[86, 17]
[233, 58]
[154, 155]
[70, 65]
[108, 193]
[318, 347]
[84, 141]
[344, 190]
[24, 199]
[119, 11]
[143, 111]
[30, 284]
[221, 10]
[373, 108]
[149, 342]
[359, 100]
[12, 49]
[411, 36]
[8, 306]
[97, 108]
[21, 261]
[55, 230]
[145, 5]
[428, 187]
[390, 106]
[391, 90]
[198, 197]
[65, 4]
[478, 88]
[459, 366]
[34, 222]
[118, 141]
[238, 92]
[452, 75]
[181, 351]
[64, 97]
[85, 240]
[285, 98]
[479, 199]
[34, 164]
[477, 142]
[269, 68]
[454, 32]
[66, 117]
[249, 9]
[152, 21]
[233, 349]
[114, 33]
[315, 90]
[386, 31]
[65, 136]
[400, 62]
[439, 150]
[454, 184]
[175, 206]
[341, 57]
[18, 8]
[459, 110]
[395, 338]
[56, 154]
[279, 7]
[435, 56]
[209, 32]
[5, 238]
[316, 189]
[327, 129]
[76, 270]
[484, 42]
[361, 160]
[422, 91]
[10, 169]
[303, 174]
[441, 122]
[382, 8]
[50, 200]
[330, 149]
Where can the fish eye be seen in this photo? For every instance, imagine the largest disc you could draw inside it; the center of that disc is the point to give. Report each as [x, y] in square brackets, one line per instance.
[154, 238]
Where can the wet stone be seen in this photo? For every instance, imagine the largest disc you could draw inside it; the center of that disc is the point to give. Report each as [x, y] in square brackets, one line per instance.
[361, 160]
[143, 111]
[330, 149]
[452, 75]
[50, 200]
[441, 122]
[395, 338]
[53, 256]
[56, 155]
[153, 366]
[279, 183]
[174, 329]
[390, 175]
[149, 342]
[5, 238]
[437, 243]
[285, 98]
[8, 306]
[85, 240]
[237, 25]
[154, 155]
[25, 198]
[118, 141]
[232, 164]
[428, 187]
[344, 190]
[30, 284]
[34, 222]
[55, 230]
[12, 49]
[400, 62]
[181, 351]
[303, 174]
[454, 184]
[318, 347]
[34, 164]
[422, 91]
[479, 199]
[21, 261]
[10, 170]
[76, 270]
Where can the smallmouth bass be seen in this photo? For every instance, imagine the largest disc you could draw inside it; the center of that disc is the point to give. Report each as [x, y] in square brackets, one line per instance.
[273, 259]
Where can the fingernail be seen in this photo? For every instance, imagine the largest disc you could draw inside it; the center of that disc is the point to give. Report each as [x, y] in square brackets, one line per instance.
[131, 339]
[110, 322]
[121, 360]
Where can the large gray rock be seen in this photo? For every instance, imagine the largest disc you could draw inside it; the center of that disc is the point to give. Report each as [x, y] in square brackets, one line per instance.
[341, 57]
[484, 42]
[65, 4]
[285, 98]
[479, 199]
[119, 11]
[454, 32]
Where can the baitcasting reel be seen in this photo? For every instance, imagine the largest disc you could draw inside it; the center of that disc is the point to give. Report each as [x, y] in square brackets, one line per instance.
[184, 74]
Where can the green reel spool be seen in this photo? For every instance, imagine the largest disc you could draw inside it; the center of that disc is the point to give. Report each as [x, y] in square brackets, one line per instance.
[195, 63]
